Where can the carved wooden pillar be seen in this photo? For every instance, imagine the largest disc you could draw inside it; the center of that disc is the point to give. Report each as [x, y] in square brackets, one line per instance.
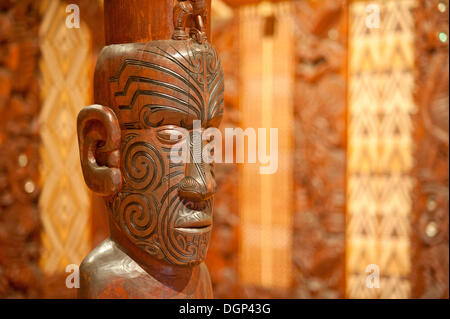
[320, 152]
[128, 21]
[430, 235]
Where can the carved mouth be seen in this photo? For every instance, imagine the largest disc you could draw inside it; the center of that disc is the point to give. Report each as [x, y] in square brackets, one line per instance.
[198, 221]
[194, 230]
[193, 221]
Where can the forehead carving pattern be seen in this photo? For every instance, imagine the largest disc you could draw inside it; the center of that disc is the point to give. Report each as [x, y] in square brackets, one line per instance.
[168, 82]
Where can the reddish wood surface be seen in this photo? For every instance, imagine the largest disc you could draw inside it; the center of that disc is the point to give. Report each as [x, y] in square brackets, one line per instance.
[238, 3]
[20, 276]
[128, 21]
[430, 225]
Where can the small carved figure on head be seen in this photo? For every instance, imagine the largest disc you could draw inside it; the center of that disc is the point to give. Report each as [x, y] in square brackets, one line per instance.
[190, 14]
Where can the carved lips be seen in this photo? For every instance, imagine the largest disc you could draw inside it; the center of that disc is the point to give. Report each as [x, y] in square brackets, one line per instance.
[193, 221]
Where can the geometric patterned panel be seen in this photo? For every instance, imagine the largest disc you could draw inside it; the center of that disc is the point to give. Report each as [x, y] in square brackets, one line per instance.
[64, 202]
[380, 142]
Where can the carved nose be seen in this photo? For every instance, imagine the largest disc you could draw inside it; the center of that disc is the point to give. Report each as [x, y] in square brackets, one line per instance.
[198, 184]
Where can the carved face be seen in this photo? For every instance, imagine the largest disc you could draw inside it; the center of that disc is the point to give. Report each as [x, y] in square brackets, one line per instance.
[155, 89]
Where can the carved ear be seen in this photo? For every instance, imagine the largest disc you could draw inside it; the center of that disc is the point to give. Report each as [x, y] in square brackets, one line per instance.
[99, 142]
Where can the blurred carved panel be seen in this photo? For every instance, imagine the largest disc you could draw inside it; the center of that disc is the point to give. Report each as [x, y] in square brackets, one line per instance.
[380, 148]
[66, 69]
[320, 149]
[19, 150]
[265, 101]
[430, 263]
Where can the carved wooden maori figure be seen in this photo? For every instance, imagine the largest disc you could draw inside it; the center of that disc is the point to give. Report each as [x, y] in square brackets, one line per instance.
[160, 211]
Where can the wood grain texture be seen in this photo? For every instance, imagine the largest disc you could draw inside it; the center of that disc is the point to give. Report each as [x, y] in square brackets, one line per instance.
[430, 235]
[19, 156]
[92, 14]
[154, 21]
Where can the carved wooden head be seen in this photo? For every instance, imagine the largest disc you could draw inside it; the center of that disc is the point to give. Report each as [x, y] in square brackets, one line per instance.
[146, 92]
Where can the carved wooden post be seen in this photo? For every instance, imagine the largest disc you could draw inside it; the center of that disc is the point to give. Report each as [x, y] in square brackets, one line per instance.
[157, 74]
[128, 21]
[430, 200]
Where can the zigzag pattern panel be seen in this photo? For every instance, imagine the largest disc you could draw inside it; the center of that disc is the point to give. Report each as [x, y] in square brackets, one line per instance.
[380, 145]
[65, 202]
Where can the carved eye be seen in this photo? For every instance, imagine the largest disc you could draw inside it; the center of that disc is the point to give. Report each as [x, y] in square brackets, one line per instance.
[171, 135]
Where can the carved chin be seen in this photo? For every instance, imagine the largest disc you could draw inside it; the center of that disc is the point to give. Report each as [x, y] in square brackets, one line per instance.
[174, 233]
[187, 249]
